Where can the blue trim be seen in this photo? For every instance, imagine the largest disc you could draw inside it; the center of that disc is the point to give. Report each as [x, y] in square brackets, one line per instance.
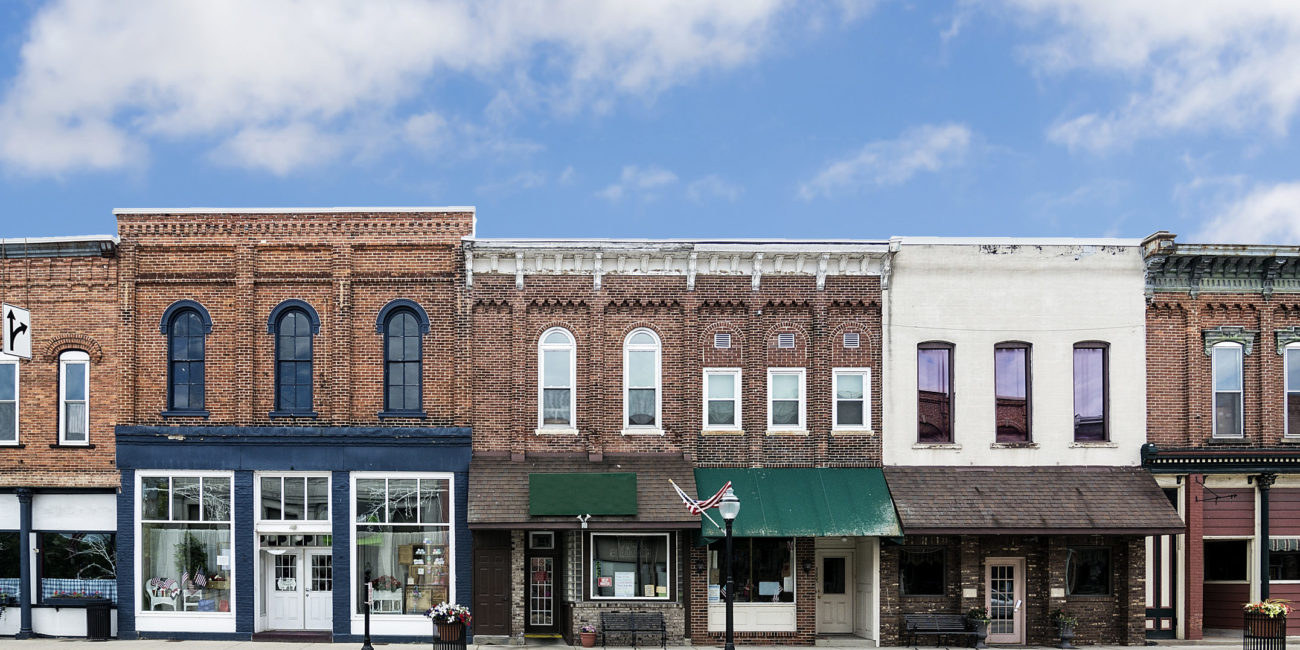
[292, 414]
[172, 310]
[341, 510]
[402, 303]
[293, 303]
[184, 414]
[402, 414]
[126, 557]
[245, 553]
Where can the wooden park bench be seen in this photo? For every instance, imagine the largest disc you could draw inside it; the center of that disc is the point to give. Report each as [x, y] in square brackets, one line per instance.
[634, 623]
[939, 625]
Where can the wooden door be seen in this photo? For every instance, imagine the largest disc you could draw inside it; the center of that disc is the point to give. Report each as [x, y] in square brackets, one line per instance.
[834, 592]
[284, 593]
[492, 582]
[1004, 588]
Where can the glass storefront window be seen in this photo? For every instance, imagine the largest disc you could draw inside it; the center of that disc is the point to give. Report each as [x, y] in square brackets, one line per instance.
[403, 539]
[77, 566]
[630, 566]
[762, 568]
[294, 498]
[185, 544]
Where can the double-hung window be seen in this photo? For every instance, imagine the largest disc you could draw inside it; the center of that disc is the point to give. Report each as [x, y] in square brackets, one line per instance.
[1226, 360]
[1011, 391]
[1292, 363]
[641, 386]
[8, 401]
[852, 399]
[934, 393]
[556, 375]
[74, 398]
[186, 561]
[1091, 392]
[722, 399]
[785, 399]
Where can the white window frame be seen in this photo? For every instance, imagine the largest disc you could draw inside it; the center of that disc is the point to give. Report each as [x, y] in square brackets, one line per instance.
[411, 624]
[1214, 390]
[65, 359]
[735, 374]
[6, 360]
[657, 347]
[591, 565]
[802, 426]
[865, 373]
[298, 524]
[156, 621]
[1287, 389]
[572, 347]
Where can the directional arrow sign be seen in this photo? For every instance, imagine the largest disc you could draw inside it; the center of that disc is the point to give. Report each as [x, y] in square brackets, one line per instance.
[16, 327]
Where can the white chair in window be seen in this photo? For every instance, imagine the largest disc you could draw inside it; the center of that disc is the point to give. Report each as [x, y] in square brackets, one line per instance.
[160, 596]
[191, 598]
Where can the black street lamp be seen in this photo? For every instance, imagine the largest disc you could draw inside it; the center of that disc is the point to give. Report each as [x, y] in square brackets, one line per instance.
[729, 507]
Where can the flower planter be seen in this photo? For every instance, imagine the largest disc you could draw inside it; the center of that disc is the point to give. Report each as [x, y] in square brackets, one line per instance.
[981, 633]
[1066, 632]
[450, 631]
[588, 639]
[1264, 632]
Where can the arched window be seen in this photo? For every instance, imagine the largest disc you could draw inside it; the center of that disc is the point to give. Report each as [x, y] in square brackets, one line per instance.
[1227, 360]
[186, 352]
[556, 377]
[934, 379]
[403, 362]
[74, 398]
[1091, 391]
[641, 389]
[293, 358]
[1011, 391]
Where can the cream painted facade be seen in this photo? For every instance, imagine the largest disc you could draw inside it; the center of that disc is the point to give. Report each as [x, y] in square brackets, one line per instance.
[1050, 293]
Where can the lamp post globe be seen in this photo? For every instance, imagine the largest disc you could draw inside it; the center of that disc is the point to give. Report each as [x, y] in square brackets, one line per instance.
[729, 507]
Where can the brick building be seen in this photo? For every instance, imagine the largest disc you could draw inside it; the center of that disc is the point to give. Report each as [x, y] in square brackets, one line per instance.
[290, 421]
[602, 369]
[1016, 413]
[57, 411]
[1223, 359]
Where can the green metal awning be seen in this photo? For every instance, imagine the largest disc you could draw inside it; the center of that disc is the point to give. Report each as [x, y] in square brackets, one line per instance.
[802, 502]
[588, 493]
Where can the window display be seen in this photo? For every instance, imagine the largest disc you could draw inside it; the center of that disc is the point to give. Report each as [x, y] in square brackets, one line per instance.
[762, 568]
[403, 538]
[630, 566]
[77, 566]
[185, 547]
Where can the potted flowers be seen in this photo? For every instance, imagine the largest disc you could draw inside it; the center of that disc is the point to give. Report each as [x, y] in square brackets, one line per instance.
[1266, 622]
[979, 618]
[1065, 623]
[588, 634]
[451, 620]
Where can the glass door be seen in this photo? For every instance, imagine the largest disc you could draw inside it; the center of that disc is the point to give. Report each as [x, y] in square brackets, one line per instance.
[1005, 589]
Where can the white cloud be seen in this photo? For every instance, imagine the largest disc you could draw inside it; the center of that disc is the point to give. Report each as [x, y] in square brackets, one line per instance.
[1195, 65]
[926, 148]
[640, 181]
[96, 82]
[713, 186]
[526, 180]
[277, 150]
[1269, 214]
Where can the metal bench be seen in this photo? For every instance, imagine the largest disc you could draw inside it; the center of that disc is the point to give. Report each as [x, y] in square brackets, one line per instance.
[634, 623]
[938, 625]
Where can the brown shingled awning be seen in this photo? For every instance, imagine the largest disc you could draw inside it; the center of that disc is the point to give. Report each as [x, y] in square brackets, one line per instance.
[500, 494]
[1030, 501]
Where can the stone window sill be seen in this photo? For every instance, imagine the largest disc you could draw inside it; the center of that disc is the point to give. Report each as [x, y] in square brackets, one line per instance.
[937, 445]
[72, 446]
[544, 431]
[1014, 445]
[852, 432]
[722, 432]
[643, 432]
[401, 414]
[787, 432]
[291, 414]
[184, 414]
[1094, 445]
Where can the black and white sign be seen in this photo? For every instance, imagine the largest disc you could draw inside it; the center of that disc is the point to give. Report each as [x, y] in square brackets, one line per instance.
[16, 326]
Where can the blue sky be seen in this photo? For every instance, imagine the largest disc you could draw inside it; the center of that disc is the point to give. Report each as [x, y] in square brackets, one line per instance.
[761, 118]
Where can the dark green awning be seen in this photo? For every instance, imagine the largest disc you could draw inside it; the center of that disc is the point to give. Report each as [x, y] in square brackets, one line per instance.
[802, 502]
[609, 493]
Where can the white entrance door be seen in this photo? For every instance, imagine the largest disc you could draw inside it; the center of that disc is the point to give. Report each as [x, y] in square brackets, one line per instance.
[320, 590]
[1004, 580]
[834, 592]
[284, 590]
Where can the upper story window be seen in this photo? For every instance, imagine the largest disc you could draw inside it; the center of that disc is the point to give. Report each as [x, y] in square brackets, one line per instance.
[934, 395]
[1091, 392]
[722, 398]
[1292, 362]
[556, 376]
[403, 359]
[785, 399]
[1011, 391]
[641, 389]
[186, 353]
[1226, 361]
[8, 401]
[852, 398]
[293, 327]
[74, 398]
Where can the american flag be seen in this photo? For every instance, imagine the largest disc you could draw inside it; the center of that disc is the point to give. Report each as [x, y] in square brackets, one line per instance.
[697, 506]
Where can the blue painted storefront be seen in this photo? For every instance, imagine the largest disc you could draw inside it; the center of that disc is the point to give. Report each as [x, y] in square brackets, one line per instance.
[246, 450]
